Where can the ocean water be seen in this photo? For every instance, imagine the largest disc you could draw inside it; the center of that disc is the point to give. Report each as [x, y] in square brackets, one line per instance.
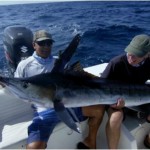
[105, 27]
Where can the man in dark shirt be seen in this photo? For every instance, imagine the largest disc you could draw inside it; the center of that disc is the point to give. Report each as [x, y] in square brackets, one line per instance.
[131, 67]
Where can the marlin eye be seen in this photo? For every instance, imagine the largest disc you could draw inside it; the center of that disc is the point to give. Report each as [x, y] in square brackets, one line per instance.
[25, 85]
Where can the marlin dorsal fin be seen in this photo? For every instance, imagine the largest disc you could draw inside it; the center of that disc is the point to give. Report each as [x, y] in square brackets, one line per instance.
[66, 55]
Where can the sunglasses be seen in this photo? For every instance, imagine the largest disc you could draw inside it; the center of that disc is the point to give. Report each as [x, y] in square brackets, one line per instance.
[45, 43]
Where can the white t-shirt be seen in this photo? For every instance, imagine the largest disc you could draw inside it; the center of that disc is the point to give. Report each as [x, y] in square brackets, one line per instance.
[34, 65]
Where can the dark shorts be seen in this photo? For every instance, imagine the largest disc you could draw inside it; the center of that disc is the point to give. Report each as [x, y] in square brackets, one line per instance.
[44, 122]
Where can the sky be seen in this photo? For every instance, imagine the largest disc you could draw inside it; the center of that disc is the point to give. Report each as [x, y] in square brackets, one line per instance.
[9, 2]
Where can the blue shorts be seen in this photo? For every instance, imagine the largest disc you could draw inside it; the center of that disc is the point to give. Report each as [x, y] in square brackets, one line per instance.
[44, 122]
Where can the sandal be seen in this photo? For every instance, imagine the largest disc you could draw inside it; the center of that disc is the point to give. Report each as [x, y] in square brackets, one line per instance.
[146, 143]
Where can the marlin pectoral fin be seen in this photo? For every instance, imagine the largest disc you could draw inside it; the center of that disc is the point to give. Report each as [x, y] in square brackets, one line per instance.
[65, 117]
[73, 114]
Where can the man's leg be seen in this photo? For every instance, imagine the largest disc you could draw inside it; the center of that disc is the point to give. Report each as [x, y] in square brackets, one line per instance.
[95, 114]
[113, 127]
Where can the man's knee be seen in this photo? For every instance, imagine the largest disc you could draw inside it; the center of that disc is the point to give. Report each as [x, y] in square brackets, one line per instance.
[116, 116]
[36, 145]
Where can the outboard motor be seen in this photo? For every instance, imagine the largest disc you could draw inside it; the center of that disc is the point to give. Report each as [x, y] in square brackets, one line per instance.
[17, 42]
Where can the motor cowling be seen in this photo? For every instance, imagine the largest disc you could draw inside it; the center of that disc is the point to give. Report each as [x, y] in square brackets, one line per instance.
[17, 42]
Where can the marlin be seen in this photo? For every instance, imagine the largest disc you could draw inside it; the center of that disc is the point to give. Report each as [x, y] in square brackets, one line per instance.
[76, 89]
[68, 87]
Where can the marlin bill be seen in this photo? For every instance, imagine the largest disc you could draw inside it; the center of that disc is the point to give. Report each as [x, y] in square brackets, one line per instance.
[75, 88]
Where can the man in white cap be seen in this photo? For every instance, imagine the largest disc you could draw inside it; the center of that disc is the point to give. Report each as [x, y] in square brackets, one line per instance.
[44, 119]
[131, 67]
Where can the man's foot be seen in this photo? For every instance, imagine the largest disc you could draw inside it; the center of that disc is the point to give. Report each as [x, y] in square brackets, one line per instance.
[81, 145]
[146, 141]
